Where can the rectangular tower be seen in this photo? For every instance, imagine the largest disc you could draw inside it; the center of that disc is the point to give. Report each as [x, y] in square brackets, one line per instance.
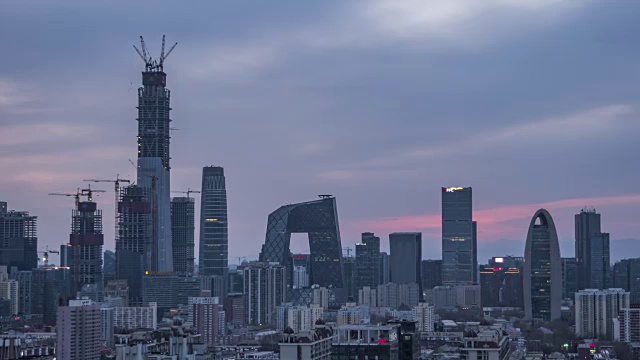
[592, 251]
[459, 240]
[153, 161]
[79, 331]
[406, 258]
[182, 234]
[214, 253]
[368, 261]
[265, 289]
[431, 274]
[18, 241]
[86, 240]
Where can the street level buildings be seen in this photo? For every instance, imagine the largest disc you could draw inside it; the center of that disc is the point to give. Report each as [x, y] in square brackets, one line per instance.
[214, 238]
[459, 237]
[542, 278]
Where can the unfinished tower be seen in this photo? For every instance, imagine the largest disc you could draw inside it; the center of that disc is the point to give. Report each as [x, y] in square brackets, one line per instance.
[86, 241]
[18, 240]
[153, 153]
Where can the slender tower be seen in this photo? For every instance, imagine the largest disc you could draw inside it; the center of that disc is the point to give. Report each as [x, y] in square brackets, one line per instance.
[214, 241]
[153, 154]
[86, 241]
[542, 278]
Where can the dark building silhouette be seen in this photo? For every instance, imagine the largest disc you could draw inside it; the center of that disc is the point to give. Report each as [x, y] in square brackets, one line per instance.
[319, 219]
[183, 234]
[501, 286]
[134, 245]
[592, 251]
[431, 271]
[214, 238]
[385, 272]
[569, 278]
[368, 261]
[18, 239]
[626, 275]
[406, 258]
[542, 269]
[50, 288]
[459, 237]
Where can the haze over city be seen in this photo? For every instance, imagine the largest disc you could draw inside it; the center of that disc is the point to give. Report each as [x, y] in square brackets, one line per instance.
[379, 103]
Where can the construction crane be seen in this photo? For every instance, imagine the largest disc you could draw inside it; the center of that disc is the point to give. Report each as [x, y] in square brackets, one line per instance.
[80, 192]
[189, 191]
[116, 182]
[45, 254]
[149, 63]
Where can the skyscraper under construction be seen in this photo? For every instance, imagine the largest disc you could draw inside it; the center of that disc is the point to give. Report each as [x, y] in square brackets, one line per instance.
[153, 154]
[86, 241]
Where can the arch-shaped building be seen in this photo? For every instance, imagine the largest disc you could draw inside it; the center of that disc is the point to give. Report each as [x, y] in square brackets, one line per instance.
[542, 269]
[319, 219]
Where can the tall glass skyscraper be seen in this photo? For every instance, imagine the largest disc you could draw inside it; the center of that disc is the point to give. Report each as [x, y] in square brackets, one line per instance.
[459, 237]
[406, 258]
[592, 251]
[214, 237]
[542, 269]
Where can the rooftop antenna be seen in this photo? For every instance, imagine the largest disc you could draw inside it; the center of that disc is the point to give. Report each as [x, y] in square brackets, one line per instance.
[149, 63]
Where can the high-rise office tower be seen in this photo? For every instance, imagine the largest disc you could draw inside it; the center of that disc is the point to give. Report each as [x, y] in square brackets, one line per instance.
[79, 329]
[154, 106]
[183, 234]
[596, 311]
[431, 274]
[208, 318]
[406, 258]
[134, 242]
[501, 286]
[214, 238]
[368, 261]
[459, 237]
[86, 241]
[569, 278]
[9, 290]
[18, 240]
[592, 251]
[265, 289]
[542, 269]
[109, 267]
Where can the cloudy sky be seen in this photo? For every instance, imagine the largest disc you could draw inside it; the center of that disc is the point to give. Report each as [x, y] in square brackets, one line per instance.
[381, 103]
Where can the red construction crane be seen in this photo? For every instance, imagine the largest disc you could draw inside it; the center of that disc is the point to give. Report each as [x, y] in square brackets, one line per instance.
[117, 182]
[189, 191]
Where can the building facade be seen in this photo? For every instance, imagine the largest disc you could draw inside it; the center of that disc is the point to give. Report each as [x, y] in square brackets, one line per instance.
[208, 318]
[136, 317]
[265, 289]
[501, 286]
[592, 251]
[79, 330]
[86, 241]
[423, 316]
[629, 319]
[459, 237]
[367, 271]
[319, 219]
[406, 258]
[431, 271]
[214, 234]
[596, 310]
[183, 234]
[542, 276]
[626, 275]
[18, 238]
[569, 278]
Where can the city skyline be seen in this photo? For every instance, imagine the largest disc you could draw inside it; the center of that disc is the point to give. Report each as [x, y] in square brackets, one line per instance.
[329, 158]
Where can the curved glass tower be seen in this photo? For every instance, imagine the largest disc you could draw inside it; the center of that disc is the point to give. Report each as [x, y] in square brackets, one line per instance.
[542, 269]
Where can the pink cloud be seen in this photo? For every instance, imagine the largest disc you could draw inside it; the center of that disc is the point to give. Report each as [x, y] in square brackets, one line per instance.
[494, 223]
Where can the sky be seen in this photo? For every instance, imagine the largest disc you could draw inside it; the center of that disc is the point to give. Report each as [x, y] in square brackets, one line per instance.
[380, 103]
